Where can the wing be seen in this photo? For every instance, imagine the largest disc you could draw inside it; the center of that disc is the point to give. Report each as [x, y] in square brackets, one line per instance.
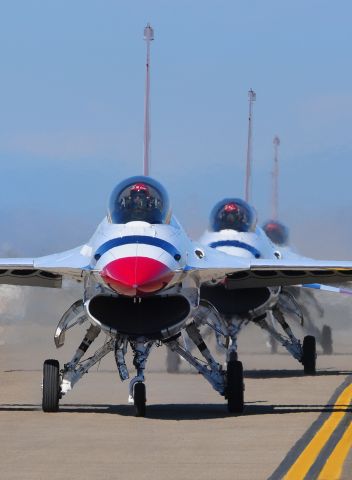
[209, 264]
[271, 273]
[45, 271]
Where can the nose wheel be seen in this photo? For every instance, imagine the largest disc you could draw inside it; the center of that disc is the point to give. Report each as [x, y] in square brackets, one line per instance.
[235, 387]
[139, 399]
[51, 386]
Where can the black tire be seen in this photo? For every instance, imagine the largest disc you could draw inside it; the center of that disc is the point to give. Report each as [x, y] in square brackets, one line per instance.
[326, 340]
[139, 399]
[235, 387]
[172, 361]
[309, 355]
[51, 386]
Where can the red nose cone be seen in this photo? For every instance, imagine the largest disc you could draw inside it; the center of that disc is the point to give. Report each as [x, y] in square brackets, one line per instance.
[136, 275]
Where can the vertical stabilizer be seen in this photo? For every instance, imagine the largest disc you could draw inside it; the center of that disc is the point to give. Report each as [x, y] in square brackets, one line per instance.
[275, 174]
[247, 194]
[148, 37]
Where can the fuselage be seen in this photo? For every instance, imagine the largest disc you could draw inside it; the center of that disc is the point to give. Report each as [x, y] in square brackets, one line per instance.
[137, 258]
[241, 244]
[250, 302]
[135, 286]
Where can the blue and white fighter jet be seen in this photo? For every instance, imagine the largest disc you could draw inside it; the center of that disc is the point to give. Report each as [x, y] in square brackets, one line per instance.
[143, 281]
[257, 295]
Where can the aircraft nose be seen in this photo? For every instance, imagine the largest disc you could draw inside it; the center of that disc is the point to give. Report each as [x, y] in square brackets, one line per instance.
[136, 275]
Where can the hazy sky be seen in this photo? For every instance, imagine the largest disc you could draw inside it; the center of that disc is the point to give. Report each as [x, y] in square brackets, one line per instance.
[71, 112]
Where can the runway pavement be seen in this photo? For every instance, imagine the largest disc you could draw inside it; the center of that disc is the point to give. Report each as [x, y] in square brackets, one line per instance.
[187, 433]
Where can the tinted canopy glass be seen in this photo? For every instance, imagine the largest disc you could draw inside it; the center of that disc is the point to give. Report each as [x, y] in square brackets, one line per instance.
[139, 199]
[233, 214]
[277, 232]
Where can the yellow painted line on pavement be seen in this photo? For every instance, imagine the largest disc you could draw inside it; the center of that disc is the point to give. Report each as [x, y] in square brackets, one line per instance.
[332, 470]
[304, 462]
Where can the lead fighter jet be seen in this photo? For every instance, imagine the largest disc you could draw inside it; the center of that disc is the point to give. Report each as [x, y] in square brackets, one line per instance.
[141, 279]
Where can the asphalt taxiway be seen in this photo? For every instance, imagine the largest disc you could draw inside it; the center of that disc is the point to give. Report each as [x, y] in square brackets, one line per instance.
[187, 433]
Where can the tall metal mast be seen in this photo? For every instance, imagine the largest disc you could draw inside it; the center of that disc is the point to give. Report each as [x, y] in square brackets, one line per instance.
[251, 98]
[148, 37]
[275, 174]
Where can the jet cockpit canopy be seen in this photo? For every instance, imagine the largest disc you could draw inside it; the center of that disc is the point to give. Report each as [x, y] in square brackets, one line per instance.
[277, 232]
[139, 199]
[233, 214]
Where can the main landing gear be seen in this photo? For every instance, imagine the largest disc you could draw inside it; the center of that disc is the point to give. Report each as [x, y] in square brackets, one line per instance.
[305, 354]
[57, 383]
[228, 382]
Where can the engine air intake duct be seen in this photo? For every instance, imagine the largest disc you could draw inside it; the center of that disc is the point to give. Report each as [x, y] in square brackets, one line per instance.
[234, 302]
[154, 317]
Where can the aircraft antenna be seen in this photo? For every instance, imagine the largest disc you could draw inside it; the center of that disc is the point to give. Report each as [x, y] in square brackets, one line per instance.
[275, 175]
[148, 37]
[251, 98]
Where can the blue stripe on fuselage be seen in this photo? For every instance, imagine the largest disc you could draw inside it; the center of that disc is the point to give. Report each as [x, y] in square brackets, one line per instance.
[140, 239]
[237, 244]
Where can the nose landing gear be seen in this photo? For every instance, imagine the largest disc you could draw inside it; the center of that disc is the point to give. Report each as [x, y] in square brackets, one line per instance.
[139, 399]
[137, 396]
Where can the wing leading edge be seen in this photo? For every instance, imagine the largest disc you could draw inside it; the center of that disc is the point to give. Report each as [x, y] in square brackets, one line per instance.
[47, 271]
[271, 273]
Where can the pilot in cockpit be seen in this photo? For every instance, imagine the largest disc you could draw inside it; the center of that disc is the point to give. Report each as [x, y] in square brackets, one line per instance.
[144, 201]
[138, 199]
[277, 232]
[233, 214]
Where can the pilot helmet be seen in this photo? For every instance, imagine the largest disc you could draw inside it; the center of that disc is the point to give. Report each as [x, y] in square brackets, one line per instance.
[277, 232]
[233, 214]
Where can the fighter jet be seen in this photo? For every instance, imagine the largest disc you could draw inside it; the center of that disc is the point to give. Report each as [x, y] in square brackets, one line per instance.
[142, 277]
[258, 294]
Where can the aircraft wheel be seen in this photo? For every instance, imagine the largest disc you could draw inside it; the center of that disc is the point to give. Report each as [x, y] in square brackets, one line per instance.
[326, 340]
[139, 399]
[235, 387]
[309, 355]
[172, 361]
[51, 386]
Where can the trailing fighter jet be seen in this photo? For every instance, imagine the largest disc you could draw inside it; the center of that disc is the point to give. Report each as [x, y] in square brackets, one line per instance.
[141, 279]
[258, 294]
